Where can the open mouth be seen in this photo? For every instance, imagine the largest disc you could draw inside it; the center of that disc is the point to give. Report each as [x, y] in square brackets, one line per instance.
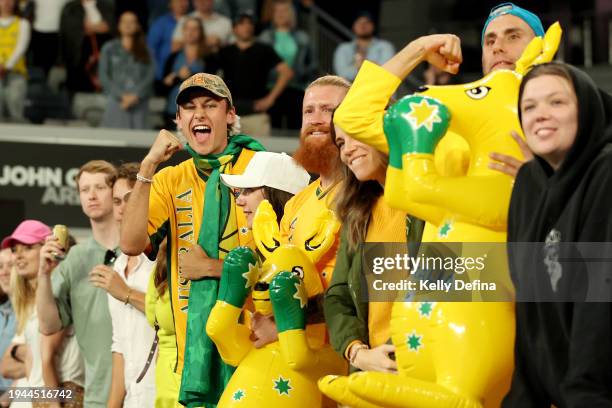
[201, 132]
[318, 132]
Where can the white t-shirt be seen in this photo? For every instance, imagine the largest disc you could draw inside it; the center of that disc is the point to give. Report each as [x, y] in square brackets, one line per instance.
[217, 25]
[47, 15]
[133, 336]
[68, 362]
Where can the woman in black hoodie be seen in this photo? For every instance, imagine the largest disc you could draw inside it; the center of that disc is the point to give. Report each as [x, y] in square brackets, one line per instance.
[564, 196]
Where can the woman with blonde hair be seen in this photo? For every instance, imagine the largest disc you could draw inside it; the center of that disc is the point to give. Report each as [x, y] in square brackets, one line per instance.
[51, 361]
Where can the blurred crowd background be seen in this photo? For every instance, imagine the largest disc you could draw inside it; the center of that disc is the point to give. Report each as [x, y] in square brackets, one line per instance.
[117, 63]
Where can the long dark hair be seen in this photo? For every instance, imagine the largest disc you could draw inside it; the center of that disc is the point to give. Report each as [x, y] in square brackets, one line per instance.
[278, 199]
[139, 50]
[355, 201]
[203, 50]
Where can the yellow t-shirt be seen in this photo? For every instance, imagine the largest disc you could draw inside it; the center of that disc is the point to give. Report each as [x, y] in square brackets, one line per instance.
[386, 225]
[176, 203]
[300, 210]
[8, 41]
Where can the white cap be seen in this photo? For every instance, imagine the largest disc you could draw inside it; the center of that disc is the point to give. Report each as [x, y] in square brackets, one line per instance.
[276, 170]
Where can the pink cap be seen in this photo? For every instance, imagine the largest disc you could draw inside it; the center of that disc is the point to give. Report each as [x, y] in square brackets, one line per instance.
[28, 232]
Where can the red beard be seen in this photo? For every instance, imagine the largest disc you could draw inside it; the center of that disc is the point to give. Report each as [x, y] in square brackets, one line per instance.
[316, 155]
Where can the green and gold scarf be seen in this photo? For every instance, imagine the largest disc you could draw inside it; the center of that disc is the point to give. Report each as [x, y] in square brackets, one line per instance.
[205, 375]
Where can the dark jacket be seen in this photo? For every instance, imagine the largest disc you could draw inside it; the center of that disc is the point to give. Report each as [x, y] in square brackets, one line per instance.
[72, 30]
[563, 344]
[346, 312]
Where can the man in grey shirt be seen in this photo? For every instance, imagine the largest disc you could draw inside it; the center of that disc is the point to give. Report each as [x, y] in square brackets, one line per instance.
[65, 294]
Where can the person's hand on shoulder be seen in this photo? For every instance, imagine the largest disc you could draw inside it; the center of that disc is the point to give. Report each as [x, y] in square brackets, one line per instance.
[507, 164]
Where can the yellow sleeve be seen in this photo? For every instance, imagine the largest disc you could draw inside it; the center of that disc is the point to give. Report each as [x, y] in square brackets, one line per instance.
[361, 112]
[151, 299]
[159, 210]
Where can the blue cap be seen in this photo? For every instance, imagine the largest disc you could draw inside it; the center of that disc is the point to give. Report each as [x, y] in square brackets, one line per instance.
[527, 16]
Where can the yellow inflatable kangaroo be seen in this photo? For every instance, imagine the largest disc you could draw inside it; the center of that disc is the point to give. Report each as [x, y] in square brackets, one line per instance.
[450, 354]
[283, 373]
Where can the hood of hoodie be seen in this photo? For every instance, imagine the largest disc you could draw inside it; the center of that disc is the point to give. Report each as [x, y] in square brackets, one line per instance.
[547, 191]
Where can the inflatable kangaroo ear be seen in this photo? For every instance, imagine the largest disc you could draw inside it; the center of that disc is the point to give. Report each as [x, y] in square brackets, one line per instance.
[540, 51]
[322, 235]
[265, 229]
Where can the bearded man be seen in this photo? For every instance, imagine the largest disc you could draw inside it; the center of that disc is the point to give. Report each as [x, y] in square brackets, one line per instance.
[318, 154]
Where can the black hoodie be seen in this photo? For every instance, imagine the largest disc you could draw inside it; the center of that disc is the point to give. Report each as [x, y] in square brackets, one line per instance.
[563, 349]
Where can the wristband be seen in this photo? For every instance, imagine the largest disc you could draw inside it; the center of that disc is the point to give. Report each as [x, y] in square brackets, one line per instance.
[143, 179]
[354, 350]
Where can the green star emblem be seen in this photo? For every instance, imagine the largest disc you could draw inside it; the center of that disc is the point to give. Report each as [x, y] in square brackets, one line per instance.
[414, 342]
[445, 229]
[282, 386]
[238, 395]
[425, 309]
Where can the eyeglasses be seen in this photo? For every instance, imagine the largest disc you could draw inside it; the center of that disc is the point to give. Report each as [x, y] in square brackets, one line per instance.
[109, 257]
[244, 191]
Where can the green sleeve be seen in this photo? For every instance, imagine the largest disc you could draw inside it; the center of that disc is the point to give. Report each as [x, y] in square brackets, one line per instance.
[343, 317]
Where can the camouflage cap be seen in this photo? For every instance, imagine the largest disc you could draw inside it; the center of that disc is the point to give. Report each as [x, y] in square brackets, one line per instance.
[210, 82]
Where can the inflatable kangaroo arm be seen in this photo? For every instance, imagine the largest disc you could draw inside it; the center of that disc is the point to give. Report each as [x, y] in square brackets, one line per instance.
[483, 113]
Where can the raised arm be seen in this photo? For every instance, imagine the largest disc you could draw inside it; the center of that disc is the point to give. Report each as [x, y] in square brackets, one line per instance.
[134, 238]
[361, 113]
[46, 306]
